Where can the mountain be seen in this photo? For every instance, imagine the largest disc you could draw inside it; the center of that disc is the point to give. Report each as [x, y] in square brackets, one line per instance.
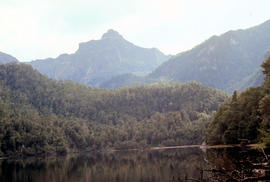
[40, 115]
[221, 61]
[5, 58]
[131, 80]
[253, 80]
[123, 80]
[99, 60]
[126, 80]
[246, 116]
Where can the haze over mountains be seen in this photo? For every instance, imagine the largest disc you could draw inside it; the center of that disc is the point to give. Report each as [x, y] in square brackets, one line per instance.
[42, 116]
[223, 62]
[6, 58]
[227, 62]
[98, 60]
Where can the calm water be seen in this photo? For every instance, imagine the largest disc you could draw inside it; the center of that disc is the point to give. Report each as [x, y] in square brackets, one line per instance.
[133, 166]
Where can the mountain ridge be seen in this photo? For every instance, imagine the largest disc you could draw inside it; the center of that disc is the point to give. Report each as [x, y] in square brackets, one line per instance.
[6, 58]
[211, 62]
[222, 62]
[96, 61]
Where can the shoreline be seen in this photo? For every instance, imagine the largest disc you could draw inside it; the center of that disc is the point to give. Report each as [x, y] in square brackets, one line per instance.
[183, 147]
[202, 147]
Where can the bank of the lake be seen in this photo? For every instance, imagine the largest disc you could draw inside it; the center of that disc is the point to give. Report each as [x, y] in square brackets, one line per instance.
[159, 165]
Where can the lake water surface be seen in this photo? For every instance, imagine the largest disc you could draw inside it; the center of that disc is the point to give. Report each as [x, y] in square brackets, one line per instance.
[136, 166]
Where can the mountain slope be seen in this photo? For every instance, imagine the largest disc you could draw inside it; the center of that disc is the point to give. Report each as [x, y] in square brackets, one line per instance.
[253, 80]
[246, 116]
[126, 80]
[221, 61]
[40, 115]
[5, 58]
[99, 60]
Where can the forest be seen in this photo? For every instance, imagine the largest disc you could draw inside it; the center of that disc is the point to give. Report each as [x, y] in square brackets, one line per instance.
[40, 116]
[245, 116]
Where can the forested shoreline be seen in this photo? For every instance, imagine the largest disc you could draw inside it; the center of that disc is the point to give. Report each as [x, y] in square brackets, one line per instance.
[40, 116]
[246, 116]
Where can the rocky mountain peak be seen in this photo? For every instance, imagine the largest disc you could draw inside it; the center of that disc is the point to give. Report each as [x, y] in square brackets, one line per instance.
[112, 34]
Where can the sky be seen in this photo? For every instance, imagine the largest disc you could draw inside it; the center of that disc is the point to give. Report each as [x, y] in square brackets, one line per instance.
[38, 29]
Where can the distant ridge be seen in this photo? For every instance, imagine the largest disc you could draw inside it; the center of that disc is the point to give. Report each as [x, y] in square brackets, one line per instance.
[99, 60]
[6, 58]
[222, 61]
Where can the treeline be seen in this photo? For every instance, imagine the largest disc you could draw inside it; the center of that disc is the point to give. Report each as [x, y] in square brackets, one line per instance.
[246, 116]
[39, 115]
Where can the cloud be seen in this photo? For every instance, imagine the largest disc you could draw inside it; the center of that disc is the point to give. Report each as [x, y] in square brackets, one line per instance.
[39, 29]
[32, 29]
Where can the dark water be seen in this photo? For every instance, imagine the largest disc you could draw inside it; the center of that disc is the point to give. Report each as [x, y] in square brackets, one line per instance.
[136, 166]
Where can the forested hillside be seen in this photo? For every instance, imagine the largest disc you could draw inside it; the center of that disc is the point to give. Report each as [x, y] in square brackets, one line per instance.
[126, 80]
[40, 115]
[246, 116]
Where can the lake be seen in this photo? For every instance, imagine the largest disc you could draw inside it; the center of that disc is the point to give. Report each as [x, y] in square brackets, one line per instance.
[139, 166]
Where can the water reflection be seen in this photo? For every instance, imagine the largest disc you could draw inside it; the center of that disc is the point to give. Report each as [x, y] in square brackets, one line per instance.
[131, 166]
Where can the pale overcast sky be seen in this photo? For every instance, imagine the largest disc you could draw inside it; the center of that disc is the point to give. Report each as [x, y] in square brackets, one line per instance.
[35, 29]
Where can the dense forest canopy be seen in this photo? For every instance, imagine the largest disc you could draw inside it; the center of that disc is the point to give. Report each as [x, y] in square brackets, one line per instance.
[246, 116]
[40, 115]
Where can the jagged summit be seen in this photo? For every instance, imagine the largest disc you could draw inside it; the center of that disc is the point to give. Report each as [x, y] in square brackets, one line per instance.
[99, 60]
[111, 34]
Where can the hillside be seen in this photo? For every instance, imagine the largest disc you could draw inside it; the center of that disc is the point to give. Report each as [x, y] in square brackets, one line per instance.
[246, 116]
[126, 80]
[5, 58]
[255, 79]
[41, 116]
[99, 60]
[221, 61]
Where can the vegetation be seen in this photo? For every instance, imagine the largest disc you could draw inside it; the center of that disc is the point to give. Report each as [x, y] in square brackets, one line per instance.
[245, 117]
[39, 115]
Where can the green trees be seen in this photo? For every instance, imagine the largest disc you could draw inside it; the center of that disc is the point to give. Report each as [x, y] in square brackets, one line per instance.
[245, 116]
[39, 115]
